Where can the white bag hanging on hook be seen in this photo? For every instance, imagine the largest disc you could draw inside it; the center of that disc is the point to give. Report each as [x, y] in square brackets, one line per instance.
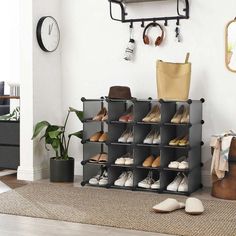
[130, 49]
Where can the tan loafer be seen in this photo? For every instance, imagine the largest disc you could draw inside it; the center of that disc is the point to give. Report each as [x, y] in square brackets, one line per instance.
[103, 137]
[157, 162]
[148, 161]
[95, 158]
[95, 137]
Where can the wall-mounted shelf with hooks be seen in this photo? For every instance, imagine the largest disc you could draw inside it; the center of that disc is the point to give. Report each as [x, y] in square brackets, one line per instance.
[124, 14]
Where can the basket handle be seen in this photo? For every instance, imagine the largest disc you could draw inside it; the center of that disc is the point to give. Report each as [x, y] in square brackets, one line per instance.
[187, 57]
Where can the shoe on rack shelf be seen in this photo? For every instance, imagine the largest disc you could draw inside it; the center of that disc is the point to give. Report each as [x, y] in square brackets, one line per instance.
[95, 137]
[103, 137]
[126, 159]
[130, 179]
[103, 179]
[103, 158]
[155, 112]
[178, 115]
[156, 138]
[101, 114]
[128, 115]
[124, 136]
[149, 138]
[130, 138]
[175, 141]
[95, 180]
[185, 117]
[148, 161]
[183, 186]
[105, 118]
[95, 158]
[184, 141]
[157, 162]
[121, 179]
[175, 164]
[183, 165]
[156, 185]
[174, 185]
[147, 182]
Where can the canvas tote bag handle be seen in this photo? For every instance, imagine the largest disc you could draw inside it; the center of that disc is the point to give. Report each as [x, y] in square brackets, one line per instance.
[187, 57]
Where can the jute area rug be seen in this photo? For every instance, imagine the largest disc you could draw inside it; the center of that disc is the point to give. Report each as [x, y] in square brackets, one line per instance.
[117, 208]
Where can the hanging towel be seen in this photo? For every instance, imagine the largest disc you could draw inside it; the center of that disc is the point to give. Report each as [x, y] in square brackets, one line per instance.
[221, 145]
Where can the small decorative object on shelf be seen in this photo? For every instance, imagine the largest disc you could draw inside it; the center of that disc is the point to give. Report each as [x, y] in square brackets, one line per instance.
[158, 151]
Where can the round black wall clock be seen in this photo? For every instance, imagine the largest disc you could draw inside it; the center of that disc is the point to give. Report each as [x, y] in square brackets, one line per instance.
[48, 34]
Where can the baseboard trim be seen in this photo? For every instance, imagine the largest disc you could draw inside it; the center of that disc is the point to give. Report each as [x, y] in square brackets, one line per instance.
[206, 179]
[31, 174]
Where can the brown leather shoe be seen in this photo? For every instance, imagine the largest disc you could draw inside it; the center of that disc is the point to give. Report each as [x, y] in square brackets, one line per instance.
[103, 137]
[95, 137]
[157, 162]
[148, 161]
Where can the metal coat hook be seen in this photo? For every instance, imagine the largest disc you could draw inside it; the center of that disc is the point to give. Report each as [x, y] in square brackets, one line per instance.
[166, 22]
[131, 25]
[142, 25]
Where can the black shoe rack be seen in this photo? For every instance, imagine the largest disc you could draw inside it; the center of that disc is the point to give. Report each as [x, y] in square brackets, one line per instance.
[140, 151]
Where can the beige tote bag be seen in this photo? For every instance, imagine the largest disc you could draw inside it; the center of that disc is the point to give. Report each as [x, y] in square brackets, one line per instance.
[173, 80]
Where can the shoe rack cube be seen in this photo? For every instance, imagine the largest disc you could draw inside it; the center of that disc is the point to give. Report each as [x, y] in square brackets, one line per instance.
[137, 148]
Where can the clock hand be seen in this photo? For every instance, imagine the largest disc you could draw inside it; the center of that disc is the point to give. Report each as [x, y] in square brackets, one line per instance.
[50, 28]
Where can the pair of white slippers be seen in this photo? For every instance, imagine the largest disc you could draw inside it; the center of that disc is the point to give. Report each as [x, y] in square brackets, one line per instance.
[193, 206]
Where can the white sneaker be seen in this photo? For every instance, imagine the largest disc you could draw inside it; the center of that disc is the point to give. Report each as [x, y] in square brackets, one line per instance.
[183, 187]
[129, 161]
[156, 138]
[156, 185]
[120, 161]
[95, 180]
[104, 179]
[183, 165]
[174, 185]
[121, 180]
[149, 138]
[130, 179]
[146, 183]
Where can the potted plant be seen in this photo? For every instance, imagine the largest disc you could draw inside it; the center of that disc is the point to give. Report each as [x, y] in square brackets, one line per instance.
[61, 165]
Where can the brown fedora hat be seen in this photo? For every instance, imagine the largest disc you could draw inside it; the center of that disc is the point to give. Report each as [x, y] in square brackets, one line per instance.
[119, 92]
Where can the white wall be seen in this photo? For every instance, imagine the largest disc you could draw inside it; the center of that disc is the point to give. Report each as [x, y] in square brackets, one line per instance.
[10, 41]
[40, 87]
[92, 52]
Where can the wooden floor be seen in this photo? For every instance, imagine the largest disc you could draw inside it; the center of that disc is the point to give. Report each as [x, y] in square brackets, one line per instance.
[26, 226]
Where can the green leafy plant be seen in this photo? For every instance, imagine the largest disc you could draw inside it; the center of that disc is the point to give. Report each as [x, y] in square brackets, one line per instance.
[54, 135]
